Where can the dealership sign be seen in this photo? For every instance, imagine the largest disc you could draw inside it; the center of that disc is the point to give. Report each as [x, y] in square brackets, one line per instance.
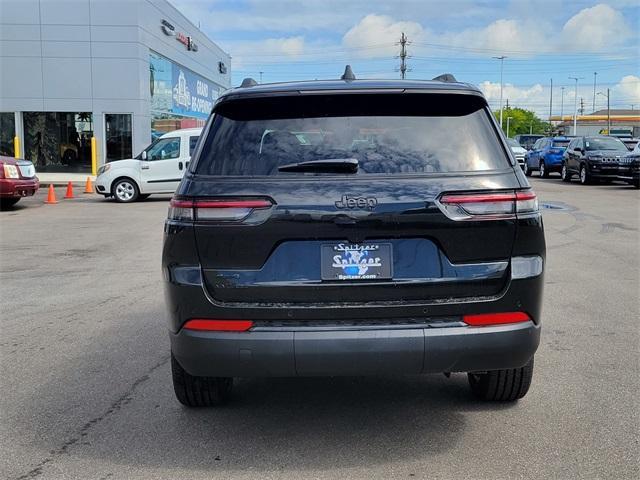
[177, 90]
[169, 30]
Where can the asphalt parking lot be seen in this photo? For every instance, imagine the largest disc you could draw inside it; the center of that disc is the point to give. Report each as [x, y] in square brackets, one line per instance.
[86, 389]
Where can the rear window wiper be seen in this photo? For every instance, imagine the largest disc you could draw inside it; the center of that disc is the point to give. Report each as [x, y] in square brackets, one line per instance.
[328, 165]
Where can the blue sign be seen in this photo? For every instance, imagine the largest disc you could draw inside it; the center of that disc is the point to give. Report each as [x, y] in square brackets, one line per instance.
[176, 89]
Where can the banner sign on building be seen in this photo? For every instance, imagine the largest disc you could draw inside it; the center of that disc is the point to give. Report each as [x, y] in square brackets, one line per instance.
[178, 90]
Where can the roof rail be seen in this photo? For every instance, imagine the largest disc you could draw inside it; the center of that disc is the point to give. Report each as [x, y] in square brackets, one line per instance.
[348, 74]
[445, 77]
[248, 82]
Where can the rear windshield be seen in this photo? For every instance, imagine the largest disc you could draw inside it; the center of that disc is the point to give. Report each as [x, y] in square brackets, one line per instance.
[560, 143]
[528, 139]
[387, 134]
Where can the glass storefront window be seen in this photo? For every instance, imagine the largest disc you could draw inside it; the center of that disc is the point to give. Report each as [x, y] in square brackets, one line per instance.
[118, 136]
[7, 132]
[58, 141]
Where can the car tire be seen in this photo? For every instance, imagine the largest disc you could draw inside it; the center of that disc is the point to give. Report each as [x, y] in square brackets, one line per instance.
[543, 170]
[527, 170]
[193, 391]
[125, 190]
[7, 203]
[585, 178]
[565, 175]
[502, 385]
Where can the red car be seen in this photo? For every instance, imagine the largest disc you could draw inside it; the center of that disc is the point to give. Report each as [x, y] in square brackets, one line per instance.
[17, 179]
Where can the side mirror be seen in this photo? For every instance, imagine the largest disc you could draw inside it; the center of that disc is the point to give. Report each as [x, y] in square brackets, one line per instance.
[143, 156]
[162, 154]
[577, 149]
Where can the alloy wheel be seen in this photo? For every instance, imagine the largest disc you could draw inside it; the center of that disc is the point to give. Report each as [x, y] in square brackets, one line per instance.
[125, 191]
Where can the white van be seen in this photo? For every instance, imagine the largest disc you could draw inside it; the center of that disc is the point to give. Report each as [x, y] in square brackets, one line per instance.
[158, 169]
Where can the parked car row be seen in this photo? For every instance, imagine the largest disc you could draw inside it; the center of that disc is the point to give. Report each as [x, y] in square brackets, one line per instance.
[589, 158]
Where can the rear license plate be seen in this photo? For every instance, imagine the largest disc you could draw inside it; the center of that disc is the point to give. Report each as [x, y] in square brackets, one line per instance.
[367, 261]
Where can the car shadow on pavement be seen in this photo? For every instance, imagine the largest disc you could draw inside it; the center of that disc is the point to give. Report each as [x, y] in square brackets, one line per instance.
[270, 423]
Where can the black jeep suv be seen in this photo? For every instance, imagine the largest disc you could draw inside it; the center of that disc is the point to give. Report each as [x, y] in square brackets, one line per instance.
[353, 227]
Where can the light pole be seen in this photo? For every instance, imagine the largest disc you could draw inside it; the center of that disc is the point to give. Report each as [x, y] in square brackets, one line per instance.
[608, 110]
[508, 120]
[501, 58]
[575, 106]
[561, 102]
[595, 74]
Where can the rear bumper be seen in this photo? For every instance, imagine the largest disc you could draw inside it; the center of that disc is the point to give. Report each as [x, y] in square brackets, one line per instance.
[553, 163]
[12, 188]
[307, 351]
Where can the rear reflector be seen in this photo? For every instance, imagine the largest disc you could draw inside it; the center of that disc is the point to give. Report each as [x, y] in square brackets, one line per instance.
[218, 325]
[488, 206]
[495, 318]
[215, 210]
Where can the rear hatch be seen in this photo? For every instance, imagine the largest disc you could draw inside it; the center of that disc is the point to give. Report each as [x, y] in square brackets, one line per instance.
[345, 199]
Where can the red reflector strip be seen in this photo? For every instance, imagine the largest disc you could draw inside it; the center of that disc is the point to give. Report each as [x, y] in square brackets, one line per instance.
[495, 318]
[232, 204]
[528, 195]
[218, 325]
[481, 198]
[175, 203]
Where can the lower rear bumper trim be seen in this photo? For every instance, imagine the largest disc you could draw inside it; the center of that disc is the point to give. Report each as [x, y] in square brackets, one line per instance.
[355, 352]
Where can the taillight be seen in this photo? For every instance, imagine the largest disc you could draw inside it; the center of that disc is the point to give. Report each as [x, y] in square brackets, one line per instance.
[215, 210]
[210, 325]
[495, 318]
[488, 206]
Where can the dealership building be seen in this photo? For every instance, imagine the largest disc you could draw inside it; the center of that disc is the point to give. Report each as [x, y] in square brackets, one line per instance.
[121, 71]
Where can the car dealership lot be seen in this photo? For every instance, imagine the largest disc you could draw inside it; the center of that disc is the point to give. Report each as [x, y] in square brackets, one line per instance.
[86, 389]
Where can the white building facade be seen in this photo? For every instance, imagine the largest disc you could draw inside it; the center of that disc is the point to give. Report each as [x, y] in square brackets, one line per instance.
[120, 71]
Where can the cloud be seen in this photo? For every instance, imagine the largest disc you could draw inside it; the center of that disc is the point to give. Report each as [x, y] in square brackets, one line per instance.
[536, 97]
[628, 89]
[247, 51]
[595, 29]
[380, 30]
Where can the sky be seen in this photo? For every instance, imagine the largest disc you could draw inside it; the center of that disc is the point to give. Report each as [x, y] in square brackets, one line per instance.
[281, 40]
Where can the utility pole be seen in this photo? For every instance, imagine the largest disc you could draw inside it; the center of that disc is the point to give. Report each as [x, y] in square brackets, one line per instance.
[507, 105]
[575, 106]
[608, 110]
[550, 106]
[561, 102]
[581, 106]
[608, 113]
[595, 74]
[501, 58]
[403, 56]
[261, 76]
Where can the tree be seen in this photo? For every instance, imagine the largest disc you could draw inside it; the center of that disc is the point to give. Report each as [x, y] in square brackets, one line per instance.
[522, 121]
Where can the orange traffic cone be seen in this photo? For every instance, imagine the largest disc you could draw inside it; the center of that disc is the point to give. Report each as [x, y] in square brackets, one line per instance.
[69, 193]
[51, 196]
[88, 187]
